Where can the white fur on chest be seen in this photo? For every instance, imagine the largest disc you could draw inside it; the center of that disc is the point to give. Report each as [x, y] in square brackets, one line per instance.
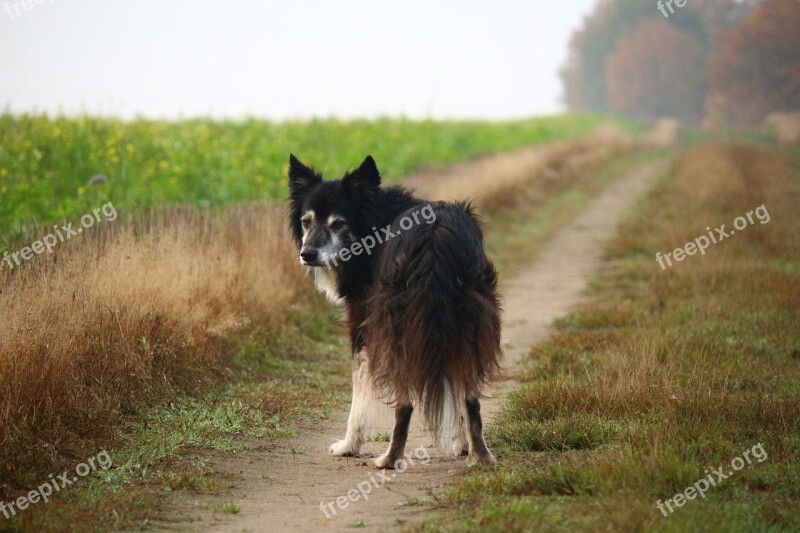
[327, 283]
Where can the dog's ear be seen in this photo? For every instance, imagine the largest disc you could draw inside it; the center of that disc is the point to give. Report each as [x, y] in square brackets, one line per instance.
[363, 179]
[301, 177]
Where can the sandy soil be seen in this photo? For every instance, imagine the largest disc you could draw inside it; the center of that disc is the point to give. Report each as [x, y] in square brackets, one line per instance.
[280, 486]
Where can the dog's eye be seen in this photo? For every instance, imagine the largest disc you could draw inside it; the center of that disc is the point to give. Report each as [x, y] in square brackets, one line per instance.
[337, 224]
[306, 223]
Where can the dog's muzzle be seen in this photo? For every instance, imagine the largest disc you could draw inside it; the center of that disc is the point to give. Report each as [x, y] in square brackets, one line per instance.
[310, 257]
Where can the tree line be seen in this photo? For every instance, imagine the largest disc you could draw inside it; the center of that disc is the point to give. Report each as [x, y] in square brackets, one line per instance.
[722, 61]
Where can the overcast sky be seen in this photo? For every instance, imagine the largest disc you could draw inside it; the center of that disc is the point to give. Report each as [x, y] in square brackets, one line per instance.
[233, 58]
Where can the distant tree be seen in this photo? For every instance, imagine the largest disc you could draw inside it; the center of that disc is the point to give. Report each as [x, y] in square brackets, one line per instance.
[756, 68]
[657, 72]
[584, 74]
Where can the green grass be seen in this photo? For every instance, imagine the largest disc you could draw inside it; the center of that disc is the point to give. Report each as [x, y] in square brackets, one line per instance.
[225, 508]
[45, 163]
[661, 375]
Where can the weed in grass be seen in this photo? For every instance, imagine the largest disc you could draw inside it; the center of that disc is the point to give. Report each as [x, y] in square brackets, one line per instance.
[379, 437]
[224, 508]
[416, 502]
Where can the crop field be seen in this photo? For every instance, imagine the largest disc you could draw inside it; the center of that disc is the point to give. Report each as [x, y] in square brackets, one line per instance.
[46, 164]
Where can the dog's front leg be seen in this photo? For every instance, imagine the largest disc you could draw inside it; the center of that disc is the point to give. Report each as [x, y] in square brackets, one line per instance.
[364, 401]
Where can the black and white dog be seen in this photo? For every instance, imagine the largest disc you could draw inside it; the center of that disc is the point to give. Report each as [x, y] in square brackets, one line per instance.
[420, 303]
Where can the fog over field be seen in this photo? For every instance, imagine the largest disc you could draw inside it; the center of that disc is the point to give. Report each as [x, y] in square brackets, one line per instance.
[278, 60]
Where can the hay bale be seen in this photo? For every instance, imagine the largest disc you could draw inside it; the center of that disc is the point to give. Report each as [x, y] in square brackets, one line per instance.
[785, 127]
[666, 133]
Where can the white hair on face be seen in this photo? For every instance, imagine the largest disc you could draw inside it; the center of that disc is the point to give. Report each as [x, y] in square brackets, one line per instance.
[335, 218]
[326, 278]
[327, 282]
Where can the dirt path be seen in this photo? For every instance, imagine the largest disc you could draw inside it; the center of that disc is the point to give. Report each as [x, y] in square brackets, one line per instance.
[281, 489]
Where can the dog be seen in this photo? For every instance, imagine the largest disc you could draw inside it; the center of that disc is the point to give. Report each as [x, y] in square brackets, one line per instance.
[420, 303]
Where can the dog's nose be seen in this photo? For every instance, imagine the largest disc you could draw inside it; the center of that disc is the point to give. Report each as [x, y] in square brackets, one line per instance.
[308, 255]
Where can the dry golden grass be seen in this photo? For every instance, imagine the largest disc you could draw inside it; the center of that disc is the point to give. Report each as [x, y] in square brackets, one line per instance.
[507, 180]
[128, 314]
[663, 374]
[708, 170]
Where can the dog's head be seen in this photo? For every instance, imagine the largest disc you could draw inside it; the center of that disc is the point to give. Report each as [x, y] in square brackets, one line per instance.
[328, 216]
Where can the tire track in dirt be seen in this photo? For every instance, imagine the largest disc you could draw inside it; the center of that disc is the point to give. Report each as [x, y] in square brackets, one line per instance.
[280, 488]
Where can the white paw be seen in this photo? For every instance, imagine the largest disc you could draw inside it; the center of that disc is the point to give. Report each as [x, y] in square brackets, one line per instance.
[459, 448]
[384, 461]
[473, 460]
[344, 448]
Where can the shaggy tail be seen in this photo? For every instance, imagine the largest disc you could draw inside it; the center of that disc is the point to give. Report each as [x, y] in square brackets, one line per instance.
[434, 323]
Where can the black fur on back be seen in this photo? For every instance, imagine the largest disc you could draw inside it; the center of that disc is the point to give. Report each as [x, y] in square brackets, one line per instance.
[433, 313]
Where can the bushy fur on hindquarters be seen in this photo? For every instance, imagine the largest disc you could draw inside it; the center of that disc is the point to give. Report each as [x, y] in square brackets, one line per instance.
[433, 326]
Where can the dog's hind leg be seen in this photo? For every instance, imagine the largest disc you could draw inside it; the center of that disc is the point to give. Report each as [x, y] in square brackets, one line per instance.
[460, 446]
[362, 407]
[402, 419]
[478, 451]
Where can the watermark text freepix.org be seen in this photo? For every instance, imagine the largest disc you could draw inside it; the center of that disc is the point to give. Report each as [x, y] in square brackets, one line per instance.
[663, 5]
[369, 242]
[15, 9]
[55, 484]
[59, 235]
[376, 480]
[702, 485]
[702, 242]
